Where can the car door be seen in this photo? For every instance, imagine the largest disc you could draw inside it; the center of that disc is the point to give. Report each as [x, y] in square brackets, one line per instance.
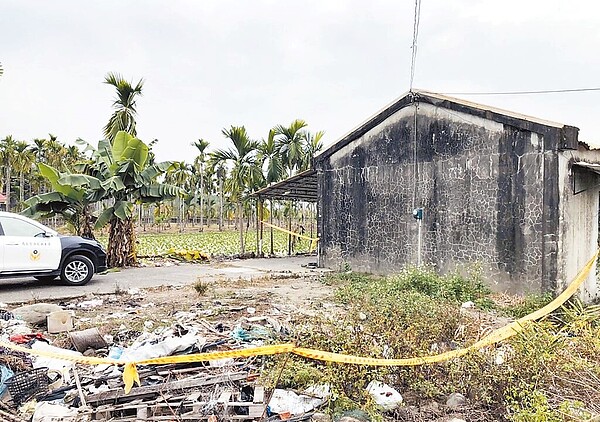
[26, 247]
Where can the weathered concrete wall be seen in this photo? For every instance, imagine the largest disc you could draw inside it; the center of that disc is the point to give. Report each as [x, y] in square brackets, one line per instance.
[487, 188]
[580, 194]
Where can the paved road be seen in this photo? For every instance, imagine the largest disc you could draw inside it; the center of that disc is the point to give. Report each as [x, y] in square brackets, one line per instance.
[27, 289]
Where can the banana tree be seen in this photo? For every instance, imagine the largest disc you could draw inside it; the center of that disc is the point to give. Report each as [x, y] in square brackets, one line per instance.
[71, 197]
[127, 178]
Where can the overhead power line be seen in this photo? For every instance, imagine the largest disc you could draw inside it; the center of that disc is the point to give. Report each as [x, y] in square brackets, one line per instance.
[413, 60]
[546, 91]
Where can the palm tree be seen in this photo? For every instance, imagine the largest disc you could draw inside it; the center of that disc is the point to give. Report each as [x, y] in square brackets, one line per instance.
[72, 155]
[38, 149]
[179, 175]
[8, 158]
[313, 146]
[245, 173]
[290, 141]
[124, 116]
[271, 159]
[273, 168]
[201, 145]
[54, 152]
[24, 161]
[221, 173]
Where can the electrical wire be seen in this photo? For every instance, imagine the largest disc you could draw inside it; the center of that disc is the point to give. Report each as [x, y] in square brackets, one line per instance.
[547, 91]
[413, 60]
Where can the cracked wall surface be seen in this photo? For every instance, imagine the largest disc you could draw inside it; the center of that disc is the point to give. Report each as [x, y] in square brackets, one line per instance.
[486, 189]
[578, 216]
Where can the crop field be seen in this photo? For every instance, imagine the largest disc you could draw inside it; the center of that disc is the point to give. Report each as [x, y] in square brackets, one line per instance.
[211, 243]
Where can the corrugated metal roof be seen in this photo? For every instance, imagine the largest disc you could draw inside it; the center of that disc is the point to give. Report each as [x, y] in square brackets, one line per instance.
[301, 187]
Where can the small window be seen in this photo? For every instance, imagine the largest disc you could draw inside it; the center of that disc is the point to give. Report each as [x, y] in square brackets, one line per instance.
[16, 227]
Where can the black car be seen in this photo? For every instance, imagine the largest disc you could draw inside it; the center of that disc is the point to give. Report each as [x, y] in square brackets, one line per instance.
[28, 248]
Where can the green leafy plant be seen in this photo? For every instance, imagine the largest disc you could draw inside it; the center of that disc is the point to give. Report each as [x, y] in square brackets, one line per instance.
[527, 305]
[201, 287]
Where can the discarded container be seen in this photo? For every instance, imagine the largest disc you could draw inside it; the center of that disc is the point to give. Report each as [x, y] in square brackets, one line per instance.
[87, 339]
[25, 385]
[60, 322]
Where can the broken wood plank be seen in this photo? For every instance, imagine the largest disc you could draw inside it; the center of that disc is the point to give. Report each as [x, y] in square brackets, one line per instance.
[137, 392]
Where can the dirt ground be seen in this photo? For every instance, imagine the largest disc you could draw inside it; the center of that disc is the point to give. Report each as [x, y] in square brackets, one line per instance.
[214, 307]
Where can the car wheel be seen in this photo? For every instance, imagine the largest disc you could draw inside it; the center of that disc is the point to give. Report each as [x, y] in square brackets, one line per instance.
[77, 270]
[45, 278]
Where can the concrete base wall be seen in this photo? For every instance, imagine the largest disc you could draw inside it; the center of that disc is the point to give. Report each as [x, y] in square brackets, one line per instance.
[481, 183]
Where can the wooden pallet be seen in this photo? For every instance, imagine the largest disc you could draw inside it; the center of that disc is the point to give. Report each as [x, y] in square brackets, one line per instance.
[228, 407]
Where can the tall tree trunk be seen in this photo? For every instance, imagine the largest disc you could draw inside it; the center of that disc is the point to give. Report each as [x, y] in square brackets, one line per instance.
[21, 189]
[8, 171]
[258, 242]
[290, 229]
[220, 204]
[86, 228]
[241, 225]
[121, 243]
[271, 217]
[201, 202]
[180, 216]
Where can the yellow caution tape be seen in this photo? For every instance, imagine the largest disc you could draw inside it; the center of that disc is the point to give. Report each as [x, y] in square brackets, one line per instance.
[131, 376]
[203, 357]
[89, 360]
[313, 240]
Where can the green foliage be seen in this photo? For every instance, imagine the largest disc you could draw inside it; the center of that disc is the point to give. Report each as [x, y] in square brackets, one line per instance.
[530, 303]
[123, 118]
[71, 196]
[125, 175]
[425, 281]
[533, 376]
[297, 373]
[201, 287]
[530, 406]
[207, 243]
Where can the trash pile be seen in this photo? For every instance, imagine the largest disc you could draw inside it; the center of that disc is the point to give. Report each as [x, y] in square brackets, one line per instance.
[46, 388]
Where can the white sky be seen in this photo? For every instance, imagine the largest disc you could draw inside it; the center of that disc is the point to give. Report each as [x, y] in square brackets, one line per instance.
[212, 64]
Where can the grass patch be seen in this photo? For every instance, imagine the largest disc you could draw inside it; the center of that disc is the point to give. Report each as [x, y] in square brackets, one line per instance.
[530, 303]
[452, 287]
[201, 287]
[548, 372]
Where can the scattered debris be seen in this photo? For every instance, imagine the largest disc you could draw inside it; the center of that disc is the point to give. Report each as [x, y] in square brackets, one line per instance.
[456, 401]
[46, 389]
[384, 395]
[60, 322]
[285, 401]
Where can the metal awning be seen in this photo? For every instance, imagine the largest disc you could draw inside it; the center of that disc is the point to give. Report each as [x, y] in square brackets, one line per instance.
[590, 166]
[582, 183]
[301, 187]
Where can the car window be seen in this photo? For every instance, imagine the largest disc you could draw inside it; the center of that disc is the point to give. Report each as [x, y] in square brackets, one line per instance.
[16, 227]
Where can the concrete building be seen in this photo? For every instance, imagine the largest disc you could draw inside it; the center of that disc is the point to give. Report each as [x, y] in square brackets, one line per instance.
[516, 195]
